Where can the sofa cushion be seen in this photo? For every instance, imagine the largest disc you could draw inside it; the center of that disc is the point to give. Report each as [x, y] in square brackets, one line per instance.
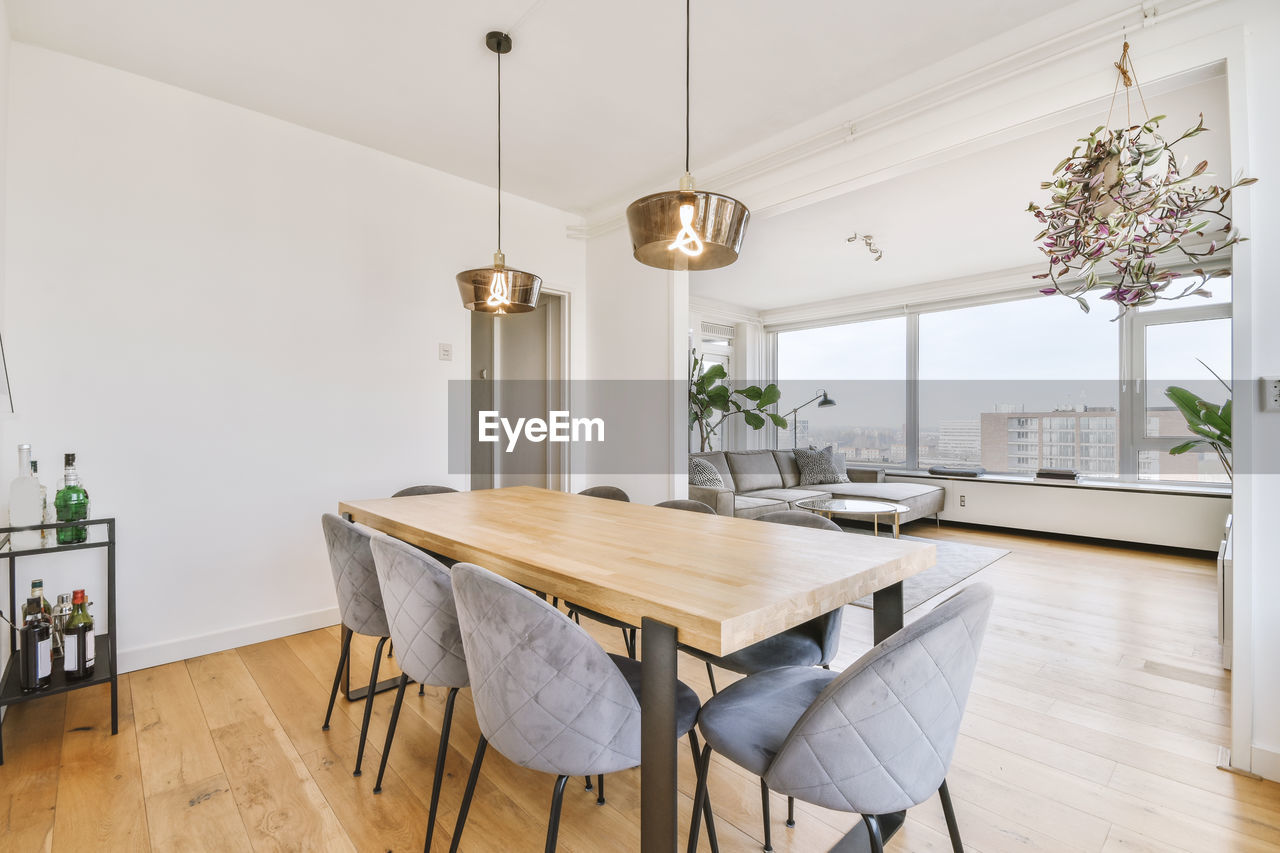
[718, 462]
[790, 496]
[787, 466]
[922, 500]
[703, 473]
[754, 469]
[820, 466]
[745, 507]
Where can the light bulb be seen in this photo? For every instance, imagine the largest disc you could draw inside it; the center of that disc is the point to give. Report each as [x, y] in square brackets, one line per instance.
[499, 291]
[687, 240]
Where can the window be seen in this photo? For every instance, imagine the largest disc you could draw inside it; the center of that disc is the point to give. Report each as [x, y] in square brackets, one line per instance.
[1026, 373]
[862, 367]
[1015, 385]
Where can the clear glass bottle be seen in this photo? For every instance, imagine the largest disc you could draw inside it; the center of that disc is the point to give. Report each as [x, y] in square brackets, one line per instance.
[24, 503]
[47, 537]
[78, 639]
[72, 503]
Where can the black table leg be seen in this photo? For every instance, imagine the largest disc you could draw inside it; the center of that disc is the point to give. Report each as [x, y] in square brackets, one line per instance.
[886, 609]
[658, 811]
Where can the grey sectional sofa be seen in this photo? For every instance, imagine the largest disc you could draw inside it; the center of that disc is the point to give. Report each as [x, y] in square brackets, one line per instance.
[762, 481]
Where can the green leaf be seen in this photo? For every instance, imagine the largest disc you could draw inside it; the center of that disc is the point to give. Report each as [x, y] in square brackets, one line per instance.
[753, 420]
[1186, 402]
[778, 420]
[1184, 447]
[751, 392]
[770, 395]
[713, 374]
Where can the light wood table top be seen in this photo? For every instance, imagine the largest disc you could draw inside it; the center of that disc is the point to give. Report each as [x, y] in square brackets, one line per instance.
[723, 583]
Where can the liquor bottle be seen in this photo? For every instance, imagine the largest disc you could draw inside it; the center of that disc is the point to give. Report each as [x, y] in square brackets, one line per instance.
[72, 503]
[78, 639]
[37, 594]
[24, 503]
[36, 649]
[46, 536]
[61, 612]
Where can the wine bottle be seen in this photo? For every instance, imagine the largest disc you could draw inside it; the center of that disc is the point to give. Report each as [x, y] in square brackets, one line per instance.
[24, 503]
[72, 503]
[78, 639]
[36, 649]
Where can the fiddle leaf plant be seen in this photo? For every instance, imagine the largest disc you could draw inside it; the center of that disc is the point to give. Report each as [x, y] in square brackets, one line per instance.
[1210, 423]
[712, 402]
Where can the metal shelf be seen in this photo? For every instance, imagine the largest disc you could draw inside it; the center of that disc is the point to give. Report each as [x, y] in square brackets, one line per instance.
[105, 669]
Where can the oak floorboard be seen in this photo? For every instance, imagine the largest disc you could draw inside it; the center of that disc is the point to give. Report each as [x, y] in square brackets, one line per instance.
[29, 777]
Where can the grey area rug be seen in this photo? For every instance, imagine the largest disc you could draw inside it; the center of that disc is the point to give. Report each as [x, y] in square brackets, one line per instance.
[955, 563]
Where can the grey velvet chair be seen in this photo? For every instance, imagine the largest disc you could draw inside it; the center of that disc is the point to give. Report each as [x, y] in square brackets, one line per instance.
[423, 490]
[629, 630]
[418, 596]
[612, 493]
[875, 739]
[359, 604]
[546, 695]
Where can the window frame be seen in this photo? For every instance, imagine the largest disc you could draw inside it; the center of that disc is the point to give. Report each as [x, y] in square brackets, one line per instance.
[1132, 327]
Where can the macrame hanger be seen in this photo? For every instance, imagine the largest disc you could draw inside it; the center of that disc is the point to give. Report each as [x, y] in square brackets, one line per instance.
[1125, 73]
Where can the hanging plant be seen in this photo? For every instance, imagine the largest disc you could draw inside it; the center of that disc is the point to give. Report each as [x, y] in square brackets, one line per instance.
[1121, 209]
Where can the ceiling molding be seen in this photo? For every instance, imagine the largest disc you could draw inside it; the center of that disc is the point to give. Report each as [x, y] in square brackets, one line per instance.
[746, 177]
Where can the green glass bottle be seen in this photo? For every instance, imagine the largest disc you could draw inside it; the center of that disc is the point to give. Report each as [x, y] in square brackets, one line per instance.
[78, 639]
[72, 504]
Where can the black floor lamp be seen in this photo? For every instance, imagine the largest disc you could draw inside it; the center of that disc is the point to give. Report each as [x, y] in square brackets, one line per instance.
[825, 401]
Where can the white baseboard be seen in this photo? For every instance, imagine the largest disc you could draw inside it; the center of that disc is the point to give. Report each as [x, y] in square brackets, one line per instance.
[190, 647]
[1266, 763]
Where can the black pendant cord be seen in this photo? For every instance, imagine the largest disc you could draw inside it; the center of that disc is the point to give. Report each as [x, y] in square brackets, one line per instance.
[687, 55]
[499, 152]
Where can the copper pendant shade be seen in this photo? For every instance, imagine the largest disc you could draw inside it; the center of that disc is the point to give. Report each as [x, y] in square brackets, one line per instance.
[687, 229]
[498, 289]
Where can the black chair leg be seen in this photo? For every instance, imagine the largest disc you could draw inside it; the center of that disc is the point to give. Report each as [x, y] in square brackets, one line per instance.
[629, 640]
[466, 797]
[337, 676]
[711, 676]
[422, 690]
[791, 811]
[873, 829]
[588, 787]
[391, 732]
[764, 806]
[600, 790]
[391, 649]
[553, 822]
[368, 703]
[701, 797]
[953, 828]
[441, 754]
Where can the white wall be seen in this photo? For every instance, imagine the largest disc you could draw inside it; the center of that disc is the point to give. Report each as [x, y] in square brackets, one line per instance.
[4, 338]
[233, 321]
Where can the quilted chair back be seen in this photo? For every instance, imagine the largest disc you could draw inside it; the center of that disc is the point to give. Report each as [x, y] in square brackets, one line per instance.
[688, 506]
[423, 490]
[418, 596]
[354, 577]
[880, 737]
[546, 695]
[611, 493]
[826, 628]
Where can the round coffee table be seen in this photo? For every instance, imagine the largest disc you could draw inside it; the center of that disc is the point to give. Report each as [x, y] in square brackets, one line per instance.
[828, 507]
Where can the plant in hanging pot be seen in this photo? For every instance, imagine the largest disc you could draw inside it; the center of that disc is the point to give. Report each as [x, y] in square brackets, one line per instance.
[1121, 213]
[712, 402]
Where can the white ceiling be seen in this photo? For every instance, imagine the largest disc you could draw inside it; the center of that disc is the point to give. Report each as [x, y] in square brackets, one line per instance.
[592, 92]
[963, 218]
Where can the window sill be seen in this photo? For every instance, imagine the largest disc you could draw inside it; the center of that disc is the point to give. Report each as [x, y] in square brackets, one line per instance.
[1145, 487]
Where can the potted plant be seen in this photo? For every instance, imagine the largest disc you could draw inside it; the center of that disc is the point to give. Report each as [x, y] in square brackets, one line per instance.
[712, 402]
[1210, 422]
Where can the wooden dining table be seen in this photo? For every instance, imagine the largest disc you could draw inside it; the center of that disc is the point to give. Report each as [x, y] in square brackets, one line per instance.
[711, 582]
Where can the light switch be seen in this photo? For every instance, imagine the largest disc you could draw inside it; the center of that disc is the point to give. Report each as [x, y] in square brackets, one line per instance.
[446, 352]
[1271, 393]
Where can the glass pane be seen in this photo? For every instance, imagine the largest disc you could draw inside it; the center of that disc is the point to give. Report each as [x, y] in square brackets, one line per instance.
[1216, 292]
[863, 369]
[1196, 467]
[1019, 386]
[1174, 352]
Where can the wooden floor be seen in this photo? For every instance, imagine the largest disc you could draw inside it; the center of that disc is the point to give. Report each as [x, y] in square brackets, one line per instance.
[1094, 725]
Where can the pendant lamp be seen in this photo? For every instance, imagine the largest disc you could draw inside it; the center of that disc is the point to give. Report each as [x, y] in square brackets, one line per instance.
[687, 229]
[498, 289]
